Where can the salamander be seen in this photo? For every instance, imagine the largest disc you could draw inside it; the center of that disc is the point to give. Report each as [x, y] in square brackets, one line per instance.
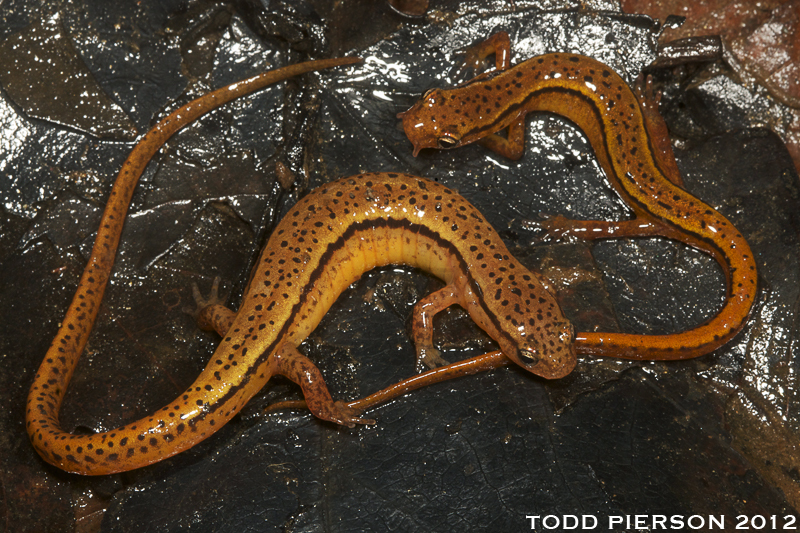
[630, 141]
[326, 241]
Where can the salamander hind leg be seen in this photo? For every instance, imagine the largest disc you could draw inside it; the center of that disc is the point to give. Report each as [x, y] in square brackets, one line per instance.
[211, 313]
[299, 368]
[649, 100]
[422, 326]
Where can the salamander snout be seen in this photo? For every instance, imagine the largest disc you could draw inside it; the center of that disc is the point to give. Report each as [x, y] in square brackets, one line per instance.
[552, 357]
[426, 124]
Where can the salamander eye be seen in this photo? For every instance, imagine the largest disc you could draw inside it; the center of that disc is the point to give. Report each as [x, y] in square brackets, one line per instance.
[447, 141]
[528, 357]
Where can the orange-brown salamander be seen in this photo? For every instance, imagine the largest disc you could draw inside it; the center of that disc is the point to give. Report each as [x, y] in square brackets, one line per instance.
[325, 243]
[630, 141]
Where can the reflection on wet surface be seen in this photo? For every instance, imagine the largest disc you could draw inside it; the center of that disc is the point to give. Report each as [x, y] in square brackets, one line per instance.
[701, 436]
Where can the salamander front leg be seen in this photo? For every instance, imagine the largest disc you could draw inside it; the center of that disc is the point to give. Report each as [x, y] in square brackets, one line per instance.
[422, 326]
[498, 44]
[211, 313]
[299, 368]
[513, 145]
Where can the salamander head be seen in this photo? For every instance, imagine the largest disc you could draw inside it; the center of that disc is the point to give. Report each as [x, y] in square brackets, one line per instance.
[428, 124]
[551, 355]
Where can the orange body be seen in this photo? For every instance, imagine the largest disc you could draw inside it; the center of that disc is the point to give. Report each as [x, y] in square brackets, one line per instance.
[324, 244]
